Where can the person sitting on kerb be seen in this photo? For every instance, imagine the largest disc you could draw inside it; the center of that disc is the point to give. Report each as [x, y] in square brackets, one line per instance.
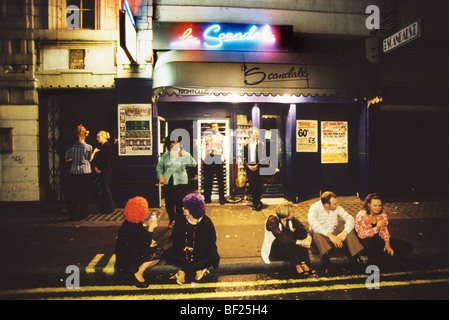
[327, 233]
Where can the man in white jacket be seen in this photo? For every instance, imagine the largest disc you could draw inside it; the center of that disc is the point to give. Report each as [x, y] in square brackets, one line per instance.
[327, 233]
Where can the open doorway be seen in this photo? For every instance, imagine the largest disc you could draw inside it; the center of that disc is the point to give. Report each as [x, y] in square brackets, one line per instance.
[60, 111]
[195, 146]
[187, 145]
[273, 142]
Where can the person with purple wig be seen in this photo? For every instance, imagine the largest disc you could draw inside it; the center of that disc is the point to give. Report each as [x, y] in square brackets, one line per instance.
[194, 247]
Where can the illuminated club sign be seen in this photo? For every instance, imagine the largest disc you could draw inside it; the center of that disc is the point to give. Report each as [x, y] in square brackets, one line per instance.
[222, 36]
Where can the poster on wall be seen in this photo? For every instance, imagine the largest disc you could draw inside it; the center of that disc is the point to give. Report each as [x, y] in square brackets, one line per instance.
[334, 142]
[306, 136]
[135, 130]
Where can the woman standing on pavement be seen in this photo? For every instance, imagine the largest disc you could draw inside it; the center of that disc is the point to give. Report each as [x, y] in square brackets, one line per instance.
[172, 174]
[80, 155]
[371, 225]
[194, 247]
[286, 238]
[102, 164]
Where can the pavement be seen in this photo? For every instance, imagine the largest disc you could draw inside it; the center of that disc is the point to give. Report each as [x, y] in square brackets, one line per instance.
[240, 230]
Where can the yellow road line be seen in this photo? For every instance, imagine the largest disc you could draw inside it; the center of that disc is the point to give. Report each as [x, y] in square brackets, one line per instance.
[109, 269]
[254, 293]
[91, 267]
[218, 285]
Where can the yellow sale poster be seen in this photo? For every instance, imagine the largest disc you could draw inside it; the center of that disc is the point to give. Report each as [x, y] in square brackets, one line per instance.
[306, 136]
[334, 142]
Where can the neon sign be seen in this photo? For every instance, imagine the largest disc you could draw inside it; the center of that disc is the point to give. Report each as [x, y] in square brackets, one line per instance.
[214, 39]
[221, 36]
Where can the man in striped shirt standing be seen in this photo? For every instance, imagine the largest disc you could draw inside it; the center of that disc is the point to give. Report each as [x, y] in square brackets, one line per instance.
[327, 233]
[213, 163]
[80, 155]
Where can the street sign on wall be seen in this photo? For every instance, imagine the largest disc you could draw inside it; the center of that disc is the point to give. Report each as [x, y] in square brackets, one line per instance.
[402, 37]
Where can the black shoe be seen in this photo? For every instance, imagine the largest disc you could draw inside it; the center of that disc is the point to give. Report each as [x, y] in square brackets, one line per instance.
[222, 202]
[358, 265]
[329, 271]
[259, 207]
[137, 283]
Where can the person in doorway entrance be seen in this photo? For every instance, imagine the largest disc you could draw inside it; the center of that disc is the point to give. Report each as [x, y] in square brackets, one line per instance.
[371, 225]
[136, 250]
[252, 161]
[172, 174]
[194, 247]
[102, 163]
[213, 163]
[327, 233]
[80, 156]
[286, 238]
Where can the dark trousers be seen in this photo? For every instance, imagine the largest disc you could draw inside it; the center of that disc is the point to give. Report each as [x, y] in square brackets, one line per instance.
[374, 249]
[255, 181]
[80, 188]
[173, 200]
[211, 170]
[293, 253]
[106, 201]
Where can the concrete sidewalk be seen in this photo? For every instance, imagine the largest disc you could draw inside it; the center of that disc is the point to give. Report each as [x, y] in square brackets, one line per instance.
[240, 230]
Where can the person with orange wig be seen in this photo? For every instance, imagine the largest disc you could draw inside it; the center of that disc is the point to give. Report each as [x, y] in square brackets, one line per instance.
[136, 249]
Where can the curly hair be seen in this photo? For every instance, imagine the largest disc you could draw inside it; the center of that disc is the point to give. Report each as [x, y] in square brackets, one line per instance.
[195, 204]
[136, 209]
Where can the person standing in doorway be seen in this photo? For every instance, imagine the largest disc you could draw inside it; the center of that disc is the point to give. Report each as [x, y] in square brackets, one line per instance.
[172, 174]
[252, 151]
[102, 164]
[80, 155]
[213, 163]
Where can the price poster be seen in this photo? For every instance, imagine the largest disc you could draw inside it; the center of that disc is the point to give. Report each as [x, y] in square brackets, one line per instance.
[306, 136]
[135, 127]
[334, 142]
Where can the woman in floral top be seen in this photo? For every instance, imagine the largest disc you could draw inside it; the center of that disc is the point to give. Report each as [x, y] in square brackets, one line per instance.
[371, 225]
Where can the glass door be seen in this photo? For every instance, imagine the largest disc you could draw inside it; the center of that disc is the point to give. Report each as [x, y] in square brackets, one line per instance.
[223, 127]
[162, 132]
[273, 144]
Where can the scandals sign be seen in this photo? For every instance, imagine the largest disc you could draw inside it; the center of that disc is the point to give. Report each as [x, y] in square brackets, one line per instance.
[276, 75]
[221, 36]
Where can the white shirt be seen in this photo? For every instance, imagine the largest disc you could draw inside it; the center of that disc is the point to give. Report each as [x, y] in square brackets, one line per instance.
[252, 152]
[322, 222]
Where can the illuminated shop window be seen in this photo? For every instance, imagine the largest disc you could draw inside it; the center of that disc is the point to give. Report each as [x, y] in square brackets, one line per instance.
[86, 12]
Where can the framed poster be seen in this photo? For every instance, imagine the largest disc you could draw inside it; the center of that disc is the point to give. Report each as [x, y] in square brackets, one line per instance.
[135, 130]
[334, 142]
[306, 136]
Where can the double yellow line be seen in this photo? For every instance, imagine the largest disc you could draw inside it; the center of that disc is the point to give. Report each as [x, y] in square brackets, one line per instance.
[223, 290]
